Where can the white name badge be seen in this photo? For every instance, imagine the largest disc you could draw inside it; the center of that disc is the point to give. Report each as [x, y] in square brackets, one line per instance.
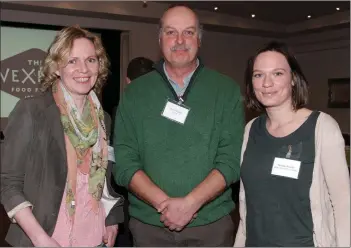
[111, 154]
[286, 168]
[175, 112]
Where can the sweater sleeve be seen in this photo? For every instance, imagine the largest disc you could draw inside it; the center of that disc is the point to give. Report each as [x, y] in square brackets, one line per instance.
[337, 178]
[125, 144]
[227, 160]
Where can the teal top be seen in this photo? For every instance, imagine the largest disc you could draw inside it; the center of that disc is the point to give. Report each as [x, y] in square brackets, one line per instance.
[177, 157]
[278, 208]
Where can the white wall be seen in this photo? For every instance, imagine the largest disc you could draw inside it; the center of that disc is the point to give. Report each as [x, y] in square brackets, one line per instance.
[222, 51]
[323, 56]
[142, 40]
[228, 53]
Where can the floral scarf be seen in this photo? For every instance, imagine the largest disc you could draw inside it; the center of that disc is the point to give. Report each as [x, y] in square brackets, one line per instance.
[86, 145]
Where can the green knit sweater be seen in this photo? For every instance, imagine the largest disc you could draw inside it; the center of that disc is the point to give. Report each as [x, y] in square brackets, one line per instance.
[178, 157]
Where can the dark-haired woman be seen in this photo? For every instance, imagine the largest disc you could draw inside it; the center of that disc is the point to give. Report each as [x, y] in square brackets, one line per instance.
[295, 186]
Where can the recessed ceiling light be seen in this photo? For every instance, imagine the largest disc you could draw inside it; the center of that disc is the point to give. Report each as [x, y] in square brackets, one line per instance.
[308, 16]
[337, 8]
[253, 15]
[215, 8]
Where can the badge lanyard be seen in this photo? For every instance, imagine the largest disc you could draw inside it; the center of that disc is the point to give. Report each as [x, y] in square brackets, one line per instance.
[181, 99]
[175, 110]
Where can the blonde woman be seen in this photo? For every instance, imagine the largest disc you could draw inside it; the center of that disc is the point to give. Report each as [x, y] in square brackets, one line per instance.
[294, 179]
[55, 171]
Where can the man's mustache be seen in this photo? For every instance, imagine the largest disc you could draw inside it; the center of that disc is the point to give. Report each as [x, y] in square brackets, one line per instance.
[180, 48]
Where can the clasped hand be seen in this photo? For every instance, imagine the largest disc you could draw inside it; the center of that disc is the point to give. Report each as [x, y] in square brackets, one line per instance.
[176, 213]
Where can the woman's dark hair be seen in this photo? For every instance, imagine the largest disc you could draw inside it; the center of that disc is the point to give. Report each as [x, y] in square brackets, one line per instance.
[299, 89]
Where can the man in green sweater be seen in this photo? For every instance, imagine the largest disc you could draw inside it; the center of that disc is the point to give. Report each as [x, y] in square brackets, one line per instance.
[178, 137]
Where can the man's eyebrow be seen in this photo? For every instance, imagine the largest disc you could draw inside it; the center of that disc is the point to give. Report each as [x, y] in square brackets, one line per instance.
[170, 27]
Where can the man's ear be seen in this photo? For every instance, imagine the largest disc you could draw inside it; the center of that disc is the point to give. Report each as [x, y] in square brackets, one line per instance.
[57, 73]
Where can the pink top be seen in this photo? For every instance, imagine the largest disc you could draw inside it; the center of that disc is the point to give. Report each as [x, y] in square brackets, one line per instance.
[89, 226]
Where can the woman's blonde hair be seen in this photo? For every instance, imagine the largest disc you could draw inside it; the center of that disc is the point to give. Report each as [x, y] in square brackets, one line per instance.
[59, 50]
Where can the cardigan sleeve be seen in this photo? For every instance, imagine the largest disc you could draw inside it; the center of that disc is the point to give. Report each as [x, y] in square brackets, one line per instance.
[240, 238]
[111, 199]
[334, 165]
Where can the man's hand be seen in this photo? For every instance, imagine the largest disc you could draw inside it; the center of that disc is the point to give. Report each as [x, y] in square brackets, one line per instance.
[110, 235]
[177, 212]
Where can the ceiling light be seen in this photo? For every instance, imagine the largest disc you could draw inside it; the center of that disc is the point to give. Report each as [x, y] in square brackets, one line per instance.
[253, 15]
[337, 9]
[215, 8]
[308, 16]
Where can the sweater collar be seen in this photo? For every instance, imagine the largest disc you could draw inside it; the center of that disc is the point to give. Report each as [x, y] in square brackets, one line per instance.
[158, 66]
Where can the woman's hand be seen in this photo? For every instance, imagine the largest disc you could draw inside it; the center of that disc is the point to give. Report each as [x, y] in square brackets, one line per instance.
[32, 228]
[110, 235]
[45, 241]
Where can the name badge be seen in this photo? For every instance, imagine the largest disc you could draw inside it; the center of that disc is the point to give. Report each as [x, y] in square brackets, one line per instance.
[175, 112]
[111, 154]
[286, 168]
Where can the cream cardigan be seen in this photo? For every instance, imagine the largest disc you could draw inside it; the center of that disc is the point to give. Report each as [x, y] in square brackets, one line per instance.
[329, 192]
